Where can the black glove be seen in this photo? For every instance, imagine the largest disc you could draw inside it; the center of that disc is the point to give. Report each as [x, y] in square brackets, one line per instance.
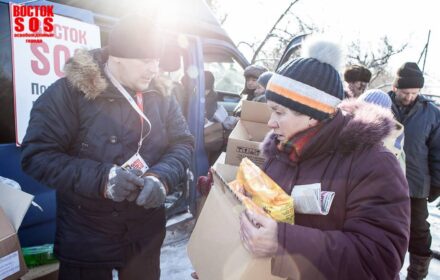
[123, 184]
[433, 194]
[153, 193]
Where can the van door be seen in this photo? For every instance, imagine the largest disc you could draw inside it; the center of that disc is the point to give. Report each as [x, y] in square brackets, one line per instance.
[292, 49]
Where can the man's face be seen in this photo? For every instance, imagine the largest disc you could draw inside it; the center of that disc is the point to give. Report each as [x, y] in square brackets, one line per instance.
[136, 74]
[251, 83]
[357, 88]
[406, 96]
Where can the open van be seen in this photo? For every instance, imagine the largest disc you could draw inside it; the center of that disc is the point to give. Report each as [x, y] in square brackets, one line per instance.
[195, 42]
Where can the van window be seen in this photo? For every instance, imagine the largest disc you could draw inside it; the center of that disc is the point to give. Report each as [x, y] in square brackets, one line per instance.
[7, 125]
[228, 76]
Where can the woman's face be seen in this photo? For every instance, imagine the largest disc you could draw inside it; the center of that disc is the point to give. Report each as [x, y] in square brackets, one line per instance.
[287, 123]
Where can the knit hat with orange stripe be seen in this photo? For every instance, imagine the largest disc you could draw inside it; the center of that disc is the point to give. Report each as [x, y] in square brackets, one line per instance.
[310, 84]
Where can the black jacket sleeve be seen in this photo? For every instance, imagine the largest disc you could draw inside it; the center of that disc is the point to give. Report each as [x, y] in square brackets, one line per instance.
[46, 148]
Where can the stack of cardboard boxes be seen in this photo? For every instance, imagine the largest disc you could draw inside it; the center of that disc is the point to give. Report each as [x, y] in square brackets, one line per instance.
[215, 248]
[244, 140]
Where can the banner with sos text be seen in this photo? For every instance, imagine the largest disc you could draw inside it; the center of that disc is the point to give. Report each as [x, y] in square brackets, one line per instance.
[38, 60]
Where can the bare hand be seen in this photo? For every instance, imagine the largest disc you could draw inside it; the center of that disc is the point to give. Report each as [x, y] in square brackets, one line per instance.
[259, 234]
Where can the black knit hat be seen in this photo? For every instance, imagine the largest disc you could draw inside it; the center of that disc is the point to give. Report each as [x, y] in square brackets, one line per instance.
[354, 73]
[135, 37]
[409, 76]
[310, 84]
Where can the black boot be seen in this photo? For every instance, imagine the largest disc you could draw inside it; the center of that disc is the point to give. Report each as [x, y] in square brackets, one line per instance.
[418, 267]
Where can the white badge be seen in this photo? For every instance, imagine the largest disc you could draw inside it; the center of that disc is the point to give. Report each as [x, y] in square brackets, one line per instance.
[136, 162]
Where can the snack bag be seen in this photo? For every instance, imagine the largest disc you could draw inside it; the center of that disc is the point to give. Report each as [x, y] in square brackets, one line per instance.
[238, 191]
[265, 192]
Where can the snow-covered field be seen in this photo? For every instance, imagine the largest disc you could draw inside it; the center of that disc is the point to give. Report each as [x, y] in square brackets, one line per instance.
[175, 264]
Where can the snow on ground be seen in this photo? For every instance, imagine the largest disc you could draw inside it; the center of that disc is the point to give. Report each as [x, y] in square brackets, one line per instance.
[434, 220]
[175, 264]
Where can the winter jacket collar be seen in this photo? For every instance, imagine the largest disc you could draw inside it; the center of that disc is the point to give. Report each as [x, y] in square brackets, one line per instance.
[85, 71]
[401, 114]
[356, 125]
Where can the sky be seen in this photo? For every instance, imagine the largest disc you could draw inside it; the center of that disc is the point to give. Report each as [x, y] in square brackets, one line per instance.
[347, 20]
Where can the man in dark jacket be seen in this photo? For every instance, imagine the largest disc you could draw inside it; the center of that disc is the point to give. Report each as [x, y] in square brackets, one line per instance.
[421, 120]
[110, 158]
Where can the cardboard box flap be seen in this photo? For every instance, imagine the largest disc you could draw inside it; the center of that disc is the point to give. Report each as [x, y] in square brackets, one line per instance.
[224, 173]
[15, 204]
[255, 112]
[244, 141]
[6, 228]
[249, 131]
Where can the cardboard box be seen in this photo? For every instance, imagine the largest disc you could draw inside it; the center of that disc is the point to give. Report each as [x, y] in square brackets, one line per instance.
[43, 272]
[245, 139]
[200, 201]
[13, 206]
[215, 248]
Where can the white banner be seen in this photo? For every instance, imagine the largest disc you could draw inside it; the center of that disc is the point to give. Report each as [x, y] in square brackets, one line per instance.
[39, 61]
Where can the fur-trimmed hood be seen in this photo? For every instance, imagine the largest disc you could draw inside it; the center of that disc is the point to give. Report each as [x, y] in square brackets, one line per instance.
[84, 71]
[357, 124]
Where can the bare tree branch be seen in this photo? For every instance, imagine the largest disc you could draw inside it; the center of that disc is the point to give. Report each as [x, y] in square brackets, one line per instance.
[269, 34]
[222, 21]
[247, 44]
[376, 61]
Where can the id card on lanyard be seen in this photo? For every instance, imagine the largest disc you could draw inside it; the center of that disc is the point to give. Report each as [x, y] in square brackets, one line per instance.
[136, 161]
